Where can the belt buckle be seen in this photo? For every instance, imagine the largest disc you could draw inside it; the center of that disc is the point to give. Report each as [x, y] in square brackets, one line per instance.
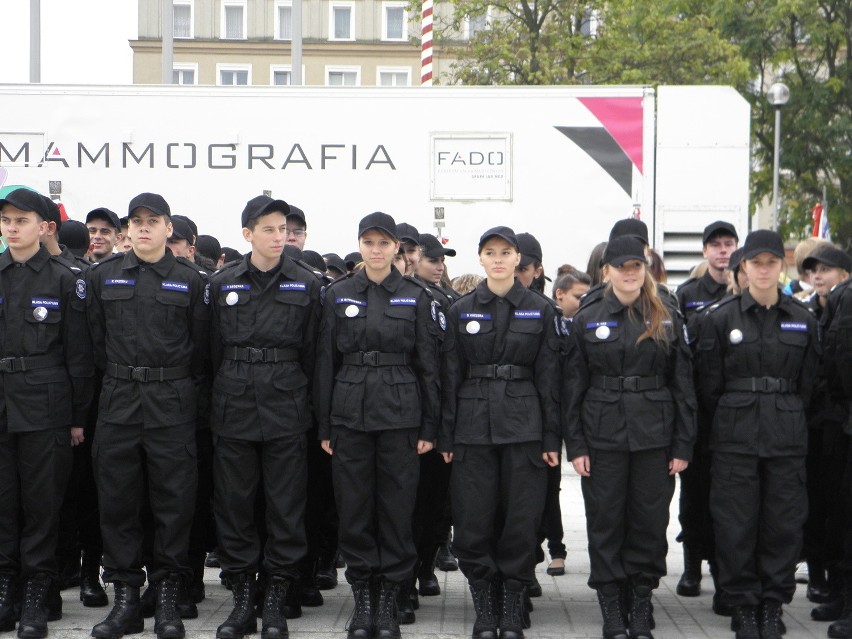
[139, 373]
[772, 384]
[255, 355]
[504, 371]
[630, 384]
[370, 358]
[7, 365]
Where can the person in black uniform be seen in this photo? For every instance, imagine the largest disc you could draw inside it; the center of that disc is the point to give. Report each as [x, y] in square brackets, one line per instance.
[377, 396]
[149, 317]
[500, 430]
[629, 418]
[265, 312]
[46, 380]
[695, 295]
[756, 357]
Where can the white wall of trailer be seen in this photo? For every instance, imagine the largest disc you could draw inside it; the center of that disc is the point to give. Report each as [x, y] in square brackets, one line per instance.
[339, 153]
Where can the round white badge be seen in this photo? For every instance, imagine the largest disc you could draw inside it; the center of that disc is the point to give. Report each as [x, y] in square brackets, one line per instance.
[352, 310]
[602, 332]
[40, 313]
[736, 336]
[231, 298]
[472, 327]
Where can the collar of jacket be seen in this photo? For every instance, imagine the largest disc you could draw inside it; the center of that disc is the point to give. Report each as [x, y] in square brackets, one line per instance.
[36, 262]
[390, 283]
[515, 294]
[286, 267]
[161, 267]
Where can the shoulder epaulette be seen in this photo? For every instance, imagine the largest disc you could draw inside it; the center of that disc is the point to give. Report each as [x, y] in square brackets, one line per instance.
[67, 264]
[549, 300]
[325, 288]
[193, 265]
[310, 269]
[722, 302]
[421, 284]
[687, 282]
[111, 258]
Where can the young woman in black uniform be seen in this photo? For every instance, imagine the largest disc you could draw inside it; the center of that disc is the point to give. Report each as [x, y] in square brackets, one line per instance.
[499, 428]
[377, 401]
[629, 417]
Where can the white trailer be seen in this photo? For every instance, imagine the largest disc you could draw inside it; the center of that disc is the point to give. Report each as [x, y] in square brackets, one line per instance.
[563, 163]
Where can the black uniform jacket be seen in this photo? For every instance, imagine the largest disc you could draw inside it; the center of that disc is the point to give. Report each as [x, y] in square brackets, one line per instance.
[43, 321]
[740, 340]
[604, 336]
[837, 338]
[254, 397]
[517, 330]
[695, 295]
[394, 317]
[156, 316]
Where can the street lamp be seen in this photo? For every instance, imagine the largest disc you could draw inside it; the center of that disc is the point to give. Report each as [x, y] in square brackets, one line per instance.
[778, 95]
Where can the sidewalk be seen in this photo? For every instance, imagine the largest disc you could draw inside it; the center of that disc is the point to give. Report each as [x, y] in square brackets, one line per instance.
[568, 609]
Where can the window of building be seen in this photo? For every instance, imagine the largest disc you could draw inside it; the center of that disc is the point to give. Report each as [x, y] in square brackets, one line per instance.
[343, 76]
[185, 74]
[477, 23]
[281, 75]
[234, 20]
[394, 23]
[393, 76]
[182, 19]
[589, 25]
[340, 22]
[233, 74]
[284, 21]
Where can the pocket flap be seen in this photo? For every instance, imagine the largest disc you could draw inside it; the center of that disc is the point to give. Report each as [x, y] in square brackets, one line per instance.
[737, 400]
[172, 298]
[229, 385]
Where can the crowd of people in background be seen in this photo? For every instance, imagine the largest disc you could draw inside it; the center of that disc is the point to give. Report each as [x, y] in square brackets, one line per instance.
[169, 405]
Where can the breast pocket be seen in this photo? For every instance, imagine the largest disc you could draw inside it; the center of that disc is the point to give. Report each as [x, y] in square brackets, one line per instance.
[292, 307]
[119, 306]
[350, 327]
[235, 321]
[604, 338]
[399, 322]
[525, 335]
[793, 347]
[44, 327]
[172, 316]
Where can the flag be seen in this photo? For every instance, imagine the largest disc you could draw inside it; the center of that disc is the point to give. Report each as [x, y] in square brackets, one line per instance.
[820, 217]
[637, 213]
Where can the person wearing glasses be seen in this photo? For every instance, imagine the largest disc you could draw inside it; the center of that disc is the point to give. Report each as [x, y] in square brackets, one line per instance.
[297, 228]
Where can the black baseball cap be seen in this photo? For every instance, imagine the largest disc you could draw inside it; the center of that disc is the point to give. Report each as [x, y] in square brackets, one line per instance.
[28, 200]
[630, 226]
[735, 259]
[432, 246]
[261, 205]
[105, 214]
[333, 260]
[75, 236]
[53, 214]
[295, 211]
[380, 222]
[314, 259]
[352, 259]
[407, 233]
[193, 227]
[830, 256]
[181, 230]
[503, 232]
[293, 252]
[623, 249]
[717, 229]
[152, 201]
[763, 241]
[231, 254]
[530, 249]
[209, 247]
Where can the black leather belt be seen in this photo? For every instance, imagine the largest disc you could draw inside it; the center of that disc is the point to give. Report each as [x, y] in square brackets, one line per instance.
[32, 363]
[499, 371]
[761, 385]
[146, 374]
[628, 384]
[254, 355]
[375, 358]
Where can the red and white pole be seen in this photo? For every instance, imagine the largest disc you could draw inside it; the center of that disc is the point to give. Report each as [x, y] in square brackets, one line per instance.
[426, 45]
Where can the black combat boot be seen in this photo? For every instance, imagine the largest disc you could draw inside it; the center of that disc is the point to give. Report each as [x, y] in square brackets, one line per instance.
[832, 607]
[744, 622]
[309, 593]
[148, 601]
[842, 628]
[33, 624]
[326, 572]
[690, 581]
[818, 590]
[429, 586]
[360, 624]
[612, 611]
[719, 606]
[167, 623]
[387, 622]
[92, 593]
[445, 559]
[771, 626]
[485, 598]
[186, 606]
[242, 620]
[404, 605]
[7, 602]
[274, 618]
[640, 610]
[511, 622]
[125, 618]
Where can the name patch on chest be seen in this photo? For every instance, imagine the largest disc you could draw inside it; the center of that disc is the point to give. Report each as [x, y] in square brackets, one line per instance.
[475, 316]
[801, 327]
[47, 302]
[117, 282]
[292, 286]
[175, 286]
[236, 287]
[347, 300]
[527, 314]
[403, 301]
[696, 304]
[591, 325]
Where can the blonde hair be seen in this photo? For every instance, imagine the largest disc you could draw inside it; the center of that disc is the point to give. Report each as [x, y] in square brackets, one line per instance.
[466, 283]
[654, 312]
[804, 248]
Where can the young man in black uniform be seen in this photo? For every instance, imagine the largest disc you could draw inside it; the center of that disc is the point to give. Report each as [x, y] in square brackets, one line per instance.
[46, 375]
[149, 317]
[694, 296]
[265, 312]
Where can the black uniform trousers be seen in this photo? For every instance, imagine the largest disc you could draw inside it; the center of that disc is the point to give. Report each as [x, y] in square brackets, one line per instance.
[125, 455]
[498, 499]
[278, 468]
[825, 464]
[375, 481]
[429, 507]
[321, 520]
[551, 520]
[694, 513]
[34, 468]
[627, 497]
[759, 506]
[202, 536]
